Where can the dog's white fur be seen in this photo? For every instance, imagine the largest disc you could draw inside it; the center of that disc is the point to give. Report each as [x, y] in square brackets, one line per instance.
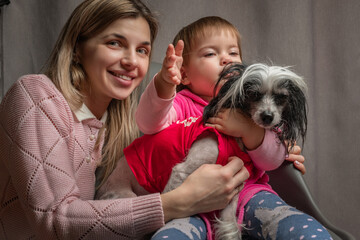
[267, 83]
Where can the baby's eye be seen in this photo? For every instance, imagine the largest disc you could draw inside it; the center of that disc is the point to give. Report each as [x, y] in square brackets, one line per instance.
[209, 54]
[234, 54]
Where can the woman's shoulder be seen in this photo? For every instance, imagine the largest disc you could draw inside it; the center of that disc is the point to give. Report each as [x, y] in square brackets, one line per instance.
[37, 85]
[32, 86]
[34, 93]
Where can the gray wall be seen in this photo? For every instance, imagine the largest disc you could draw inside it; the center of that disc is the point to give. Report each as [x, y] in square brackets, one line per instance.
[321, 39]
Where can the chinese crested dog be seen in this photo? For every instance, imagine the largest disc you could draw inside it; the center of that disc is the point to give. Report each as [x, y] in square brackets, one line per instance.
[273, 96]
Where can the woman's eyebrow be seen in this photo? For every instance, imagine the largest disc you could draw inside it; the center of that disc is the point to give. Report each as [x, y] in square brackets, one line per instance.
[117, 35]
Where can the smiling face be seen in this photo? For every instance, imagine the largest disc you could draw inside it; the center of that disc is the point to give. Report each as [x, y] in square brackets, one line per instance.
[207, 59]
[115, 62]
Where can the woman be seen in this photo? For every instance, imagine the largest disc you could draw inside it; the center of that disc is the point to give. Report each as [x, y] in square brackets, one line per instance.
[58, 127]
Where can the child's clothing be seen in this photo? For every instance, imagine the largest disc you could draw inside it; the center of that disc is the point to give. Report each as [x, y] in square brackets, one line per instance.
[193, 228]
[47, 172]
[151, 158]
[155, 114]
[267, 216]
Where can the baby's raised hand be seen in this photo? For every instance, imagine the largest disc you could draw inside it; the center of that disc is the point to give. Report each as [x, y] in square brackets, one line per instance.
[170, 71]
[170, 74]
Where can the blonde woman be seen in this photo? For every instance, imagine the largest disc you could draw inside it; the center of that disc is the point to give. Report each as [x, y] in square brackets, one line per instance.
[57, 128]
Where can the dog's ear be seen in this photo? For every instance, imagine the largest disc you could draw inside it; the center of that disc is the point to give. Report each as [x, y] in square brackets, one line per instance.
[294, 116]
[231, 73]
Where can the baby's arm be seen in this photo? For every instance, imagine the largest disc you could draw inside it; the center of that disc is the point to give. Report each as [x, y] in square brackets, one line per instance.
[263, 146]
[155, 111]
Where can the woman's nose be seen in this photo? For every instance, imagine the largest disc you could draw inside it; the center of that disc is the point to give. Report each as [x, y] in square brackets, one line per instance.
[129, 60]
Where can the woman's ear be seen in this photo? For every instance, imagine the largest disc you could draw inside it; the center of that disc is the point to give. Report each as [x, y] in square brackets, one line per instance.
[184, 78]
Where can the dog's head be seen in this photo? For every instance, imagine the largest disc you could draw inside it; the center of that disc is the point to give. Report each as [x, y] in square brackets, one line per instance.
[273, 96]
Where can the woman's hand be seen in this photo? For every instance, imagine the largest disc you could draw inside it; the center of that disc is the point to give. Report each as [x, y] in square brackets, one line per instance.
[297, 159]
[210, 187]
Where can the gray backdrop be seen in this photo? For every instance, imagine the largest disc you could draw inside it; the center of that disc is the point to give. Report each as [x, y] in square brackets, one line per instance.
[320, 39]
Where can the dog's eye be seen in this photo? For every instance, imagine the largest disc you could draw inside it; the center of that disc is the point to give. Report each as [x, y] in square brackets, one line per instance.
[280, 99]
[254, 96]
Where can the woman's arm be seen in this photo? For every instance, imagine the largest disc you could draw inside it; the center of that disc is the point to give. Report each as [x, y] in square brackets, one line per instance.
[210, 187]
[50, 177]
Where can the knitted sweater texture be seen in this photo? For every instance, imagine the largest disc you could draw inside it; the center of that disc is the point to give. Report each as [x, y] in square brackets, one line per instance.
[47, 173]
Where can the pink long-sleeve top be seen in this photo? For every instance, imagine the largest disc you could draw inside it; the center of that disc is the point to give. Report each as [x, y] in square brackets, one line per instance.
[47, 172]
[155, 114]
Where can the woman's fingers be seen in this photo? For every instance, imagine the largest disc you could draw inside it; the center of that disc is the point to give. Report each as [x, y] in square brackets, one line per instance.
[238, 172]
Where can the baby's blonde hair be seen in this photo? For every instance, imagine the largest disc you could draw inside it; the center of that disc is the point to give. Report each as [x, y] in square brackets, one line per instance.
[90, 18]
[200, 29]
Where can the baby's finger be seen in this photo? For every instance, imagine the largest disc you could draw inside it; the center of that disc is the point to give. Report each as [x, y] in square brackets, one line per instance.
[173, 77]
[179, 48]
[295, 150]
[213, 120]
[169, 62]
[294, 157]
[170, 50]
[301, 167]
[218, 127]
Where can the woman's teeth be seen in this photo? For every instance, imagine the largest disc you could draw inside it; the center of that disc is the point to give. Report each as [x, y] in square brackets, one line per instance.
[121, 76]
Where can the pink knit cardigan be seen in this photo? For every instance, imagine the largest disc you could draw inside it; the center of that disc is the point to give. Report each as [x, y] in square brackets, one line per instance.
[47, 166]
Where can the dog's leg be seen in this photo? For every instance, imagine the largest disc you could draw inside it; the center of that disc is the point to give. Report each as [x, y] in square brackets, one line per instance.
[226, 227]
[121, 183]
[204, 150]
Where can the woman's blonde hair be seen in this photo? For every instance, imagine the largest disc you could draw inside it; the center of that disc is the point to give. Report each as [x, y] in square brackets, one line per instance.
[90, 18]
[200, 29]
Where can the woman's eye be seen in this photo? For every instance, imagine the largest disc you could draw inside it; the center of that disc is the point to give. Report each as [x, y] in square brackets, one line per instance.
[143, 51]
[114, 43]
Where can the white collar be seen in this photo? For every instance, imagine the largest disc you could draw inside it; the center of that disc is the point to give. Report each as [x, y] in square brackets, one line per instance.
[84, 113]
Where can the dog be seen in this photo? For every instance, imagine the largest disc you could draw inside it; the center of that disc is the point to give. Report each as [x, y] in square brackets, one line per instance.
[274, 97]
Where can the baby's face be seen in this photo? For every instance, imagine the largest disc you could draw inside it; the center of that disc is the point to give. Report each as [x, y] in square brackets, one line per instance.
[207, 59]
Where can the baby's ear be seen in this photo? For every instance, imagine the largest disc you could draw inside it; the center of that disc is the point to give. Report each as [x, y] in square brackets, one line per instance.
[184, 78]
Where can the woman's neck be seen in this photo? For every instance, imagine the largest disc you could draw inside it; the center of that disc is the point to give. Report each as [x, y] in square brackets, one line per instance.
[97, 107]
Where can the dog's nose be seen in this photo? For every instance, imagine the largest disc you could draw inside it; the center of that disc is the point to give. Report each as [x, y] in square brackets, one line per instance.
[267, 117]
